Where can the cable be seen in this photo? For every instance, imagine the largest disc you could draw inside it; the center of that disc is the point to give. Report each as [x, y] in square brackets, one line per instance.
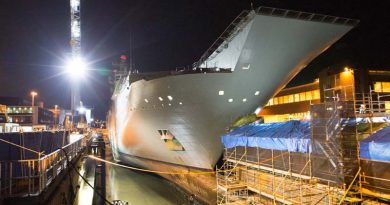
[162, 172]
[11, 143]
[147, 170]
[85, 180]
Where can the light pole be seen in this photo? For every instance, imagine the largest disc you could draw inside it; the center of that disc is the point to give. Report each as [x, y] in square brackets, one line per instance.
[55, 115]
[33, 94]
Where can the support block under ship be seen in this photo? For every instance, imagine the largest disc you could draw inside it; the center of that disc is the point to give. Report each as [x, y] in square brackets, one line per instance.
[172, 121]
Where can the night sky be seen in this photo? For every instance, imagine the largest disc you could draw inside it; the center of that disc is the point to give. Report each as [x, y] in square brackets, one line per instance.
[34, 40]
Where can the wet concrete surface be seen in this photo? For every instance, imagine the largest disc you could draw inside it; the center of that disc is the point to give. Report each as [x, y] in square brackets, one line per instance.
[85, 193]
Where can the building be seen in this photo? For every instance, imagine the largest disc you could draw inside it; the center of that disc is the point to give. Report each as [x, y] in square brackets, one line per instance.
[3, 112]
[346, 83]
[27, 115]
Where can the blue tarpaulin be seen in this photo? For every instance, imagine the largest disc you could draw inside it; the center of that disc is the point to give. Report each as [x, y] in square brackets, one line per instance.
[293, 136]
[376, 146]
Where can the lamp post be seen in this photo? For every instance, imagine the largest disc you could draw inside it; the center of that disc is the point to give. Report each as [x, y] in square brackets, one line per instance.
[33, 94]
[55, 115]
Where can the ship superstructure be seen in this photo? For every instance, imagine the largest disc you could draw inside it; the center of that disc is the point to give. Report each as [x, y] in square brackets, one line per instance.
[174, 120]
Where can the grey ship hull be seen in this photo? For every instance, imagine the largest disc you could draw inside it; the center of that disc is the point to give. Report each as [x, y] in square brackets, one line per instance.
[264, 53]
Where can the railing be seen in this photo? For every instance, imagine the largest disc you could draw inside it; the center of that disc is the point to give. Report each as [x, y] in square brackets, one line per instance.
[305, 16]
[20, 178]
[350, 186]
[242, 17]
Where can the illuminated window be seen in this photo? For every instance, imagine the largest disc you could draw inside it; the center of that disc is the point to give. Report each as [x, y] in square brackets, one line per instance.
[308, 95]
[382, 87]
[302, 97]
[316, 94]
[296, 97]
[386, 87]
[280, 99]
[285, 99]
[271, 101]
[276, 101]
[291, 98]
[378, 87]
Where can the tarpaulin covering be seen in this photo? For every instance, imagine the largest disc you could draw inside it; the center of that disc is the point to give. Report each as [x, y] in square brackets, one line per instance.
[293, 136]
[376, 146]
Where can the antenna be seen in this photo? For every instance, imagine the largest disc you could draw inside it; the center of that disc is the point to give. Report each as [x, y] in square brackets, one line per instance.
[131, 51]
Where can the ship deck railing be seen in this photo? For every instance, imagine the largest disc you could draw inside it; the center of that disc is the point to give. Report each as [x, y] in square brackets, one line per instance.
[30, 177]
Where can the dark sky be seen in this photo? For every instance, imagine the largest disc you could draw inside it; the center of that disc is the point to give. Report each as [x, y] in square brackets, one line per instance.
[34, 36]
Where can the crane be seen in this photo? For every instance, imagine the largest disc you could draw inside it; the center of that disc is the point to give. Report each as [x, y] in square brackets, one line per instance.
[75, 44]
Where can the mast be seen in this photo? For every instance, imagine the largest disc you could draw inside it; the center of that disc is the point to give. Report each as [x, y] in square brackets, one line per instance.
[75, 44]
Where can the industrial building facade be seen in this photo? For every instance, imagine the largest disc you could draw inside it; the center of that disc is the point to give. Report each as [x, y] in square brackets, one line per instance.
[294, 102]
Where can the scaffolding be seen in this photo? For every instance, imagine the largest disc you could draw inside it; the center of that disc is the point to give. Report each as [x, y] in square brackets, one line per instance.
[330, 174]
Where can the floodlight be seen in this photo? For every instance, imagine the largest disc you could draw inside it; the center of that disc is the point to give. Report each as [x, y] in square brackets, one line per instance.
[76, 68]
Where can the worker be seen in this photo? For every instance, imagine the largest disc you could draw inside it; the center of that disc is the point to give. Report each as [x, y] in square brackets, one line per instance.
[362, 109]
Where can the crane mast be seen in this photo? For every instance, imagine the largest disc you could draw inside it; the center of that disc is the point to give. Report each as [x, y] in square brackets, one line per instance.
[75, 44]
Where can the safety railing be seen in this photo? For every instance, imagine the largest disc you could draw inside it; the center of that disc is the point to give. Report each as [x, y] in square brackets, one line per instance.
[306, 16]
[20, 178]
[238, 21]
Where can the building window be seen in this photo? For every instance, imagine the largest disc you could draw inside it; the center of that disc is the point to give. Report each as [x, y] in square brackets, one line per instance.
[382, 87]
[308, 95]
[296, 97]
[302, 97]
[291, 98]
[285, 99]
[280, 100]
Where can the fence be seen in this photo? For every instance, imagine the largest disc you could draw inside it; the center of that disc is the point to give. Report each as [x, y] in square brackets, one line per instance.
[19, 178]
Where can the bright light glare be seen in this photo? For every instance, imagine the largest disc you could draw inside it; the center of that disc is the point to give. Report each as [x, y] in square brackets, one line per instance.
[82, 110]
[76, 68]
[258, 110]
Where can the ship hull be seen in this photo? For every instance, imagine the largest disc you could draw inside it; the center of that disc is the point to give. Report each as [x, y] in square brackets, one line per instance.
[177, 120]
